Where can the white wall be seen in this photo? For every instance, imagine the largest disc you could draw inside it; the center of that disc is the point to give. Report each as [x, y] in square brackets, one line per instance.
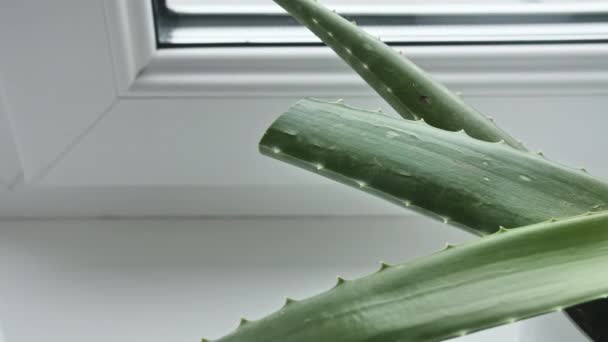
[177, 280]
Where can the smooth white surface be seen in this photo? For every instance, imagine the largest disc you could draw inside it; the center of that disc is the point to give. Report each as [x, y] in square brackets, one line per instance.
[132, 42]
[530, 70]
[214, 142]
[179, 142]
[10, 166]
[192, 201]
[552, 327]
[172, 280]
[56, 72]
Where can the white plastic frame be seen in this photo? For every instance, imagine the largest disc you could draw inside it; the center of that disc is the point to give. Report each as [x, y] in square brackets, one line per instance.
[144, 71]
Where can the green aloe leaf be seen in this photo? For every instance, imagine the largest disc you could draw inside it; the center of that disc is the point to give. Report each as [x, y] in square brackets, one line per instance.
[499, 279]
[406, 87]
[471, 183]
[413, 94]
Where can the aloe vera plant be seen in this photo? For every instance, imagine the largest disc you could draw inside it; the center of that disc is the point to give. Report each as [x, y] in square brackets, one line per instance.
[471, 183]
[407, 88]
[519, 272]
[453, 163]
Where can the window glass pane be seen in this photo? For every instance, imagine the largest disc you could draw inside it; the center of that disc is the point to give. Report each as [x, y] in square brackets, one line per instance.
[261, 22]
[387, 6]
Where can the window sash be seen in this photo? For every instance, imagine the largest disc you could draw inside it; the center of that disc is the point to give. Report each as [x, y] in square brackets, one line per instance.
[183, 23]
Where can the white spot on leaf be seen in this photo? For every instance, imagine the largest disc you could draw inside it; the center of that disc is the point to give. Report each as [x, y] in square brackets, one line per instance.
[392, 134]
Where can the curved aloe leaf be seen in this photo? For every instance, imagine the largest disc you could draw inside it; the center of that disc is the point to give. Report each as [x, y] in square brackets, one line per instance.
[504, 277]
[468, 182]
[414, 94]
[406, 87]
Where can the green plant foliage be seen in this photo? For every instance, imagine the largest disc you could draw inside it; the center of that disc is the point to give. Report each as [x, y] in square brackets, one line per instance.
[471, 183]
[414, 94]
[406, 87]
[499, 279]
[479, 184]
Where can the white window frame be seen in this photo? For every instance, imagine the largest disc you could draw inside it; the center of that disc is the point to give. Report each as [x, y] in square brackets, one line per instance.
[106, 74]
[145, 71]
